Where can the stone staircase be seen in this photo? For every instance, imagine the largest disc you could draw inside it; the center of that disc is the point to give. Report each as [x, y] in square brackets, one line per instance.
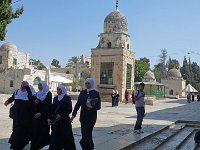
[177, 136]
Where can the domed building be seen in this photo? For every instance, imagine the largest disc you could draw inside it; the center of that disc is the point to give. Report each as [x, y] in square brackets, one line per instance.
[152, 88]
[174, 83]
[113, 61]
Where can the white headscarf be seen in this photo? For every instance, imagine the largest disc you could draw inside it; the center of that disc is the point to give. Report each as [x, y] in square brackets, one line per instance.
[41, 94]
[23, 95]
[92, 84]
[64, 92]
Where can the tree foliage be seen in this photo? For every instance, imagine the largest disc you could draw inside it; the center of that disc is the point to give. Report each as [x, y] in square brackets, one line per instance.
[55, 63]
[173, 63]
[73, 62]
[38, 64]
[7, 14]
[141, 67]
[162, 62]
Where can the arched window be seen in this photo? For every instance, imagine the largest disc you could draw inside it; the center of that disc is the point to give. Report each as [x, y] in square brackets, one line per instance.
[67, 72]
[36, 81]
[128, 46]
[171, 92]
[109, 45]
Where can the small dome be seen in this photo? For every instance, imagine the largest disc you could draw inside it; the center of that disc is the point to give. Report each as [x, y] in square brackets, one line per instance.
[149, 75]
[9, 47]
[174, 73]
[115, 22]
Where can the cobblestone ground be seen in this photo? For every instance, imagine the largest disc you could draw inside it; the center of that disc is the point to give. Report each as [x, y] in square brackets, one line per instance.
[114, 127]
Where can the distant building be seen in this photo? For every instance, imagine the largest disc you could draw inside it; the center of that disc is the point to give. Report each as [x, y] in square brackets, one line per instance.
[113, 61]
[14, 68]
[174, 83]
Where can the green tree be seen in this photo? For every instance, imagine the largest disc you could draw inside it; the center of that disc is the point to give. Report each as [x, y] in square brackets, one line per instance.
[55, 63]
[157, 73]
[38, 64]
[185, 71]
[141, 67]
[73, 62]
[173, 63]
[7, 14]
[162, 62]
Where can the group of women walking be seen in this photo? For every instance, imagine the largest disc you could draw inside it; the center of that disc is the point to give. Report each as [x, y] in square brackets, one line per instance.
[33, 114]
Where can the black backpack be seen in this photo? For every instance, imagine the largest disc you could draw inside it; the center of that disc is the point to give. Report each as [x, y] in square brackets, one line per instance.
[133, 96]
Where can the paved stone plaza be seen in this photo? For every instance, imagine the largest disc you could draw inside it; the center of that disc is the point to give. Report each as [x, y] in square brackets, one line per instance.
[114, 128]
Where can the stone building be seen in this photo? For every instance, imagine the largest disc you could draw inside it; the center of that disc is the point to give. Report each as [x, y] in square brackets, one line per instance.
[113, 61]
[15, 67]
[174, 83]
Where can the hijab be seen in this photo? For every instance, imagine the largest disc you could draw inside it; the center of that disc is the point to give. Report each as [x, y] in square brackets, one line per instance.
[41, 94]
[23, 95]
[64, 92]
[92, 84]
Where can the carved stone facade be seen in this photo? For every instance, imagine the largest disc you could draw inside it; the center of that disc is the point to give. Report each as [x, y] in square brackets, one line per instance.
[113, 61]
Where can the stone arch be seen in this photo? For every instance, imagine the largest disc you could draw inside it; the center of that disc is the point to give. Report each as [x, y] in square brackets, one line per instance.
[171, 92]
[109, 45]
[128, 46]
[36, 81]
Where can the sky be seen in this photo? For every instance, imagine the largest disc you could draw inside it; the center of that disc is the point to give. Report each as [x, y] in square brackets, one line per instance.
[61, 29]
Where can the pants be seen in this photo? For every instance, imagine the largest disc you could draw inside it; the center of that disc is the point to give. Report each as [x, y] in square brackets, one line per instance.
[140, 116]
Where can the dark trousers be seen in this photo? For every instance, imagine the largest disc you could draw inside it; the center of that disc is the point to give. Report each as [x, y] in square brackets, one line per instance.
[86, 130]
[140, 116]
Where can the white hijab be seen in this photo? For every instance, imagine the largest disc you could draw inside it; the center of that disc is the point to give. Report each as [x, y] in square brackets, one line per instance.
[64, 92]
[41, 94]
[23, 95]
[92, 84]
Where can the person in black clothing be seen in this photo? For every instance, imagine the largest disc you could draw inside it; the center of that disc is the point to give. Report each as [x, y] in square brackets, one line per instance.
[61, 135]
[198, 97]
[117, 98]
[193, 97]
[41, 129]
[22, 114]
[88, 115]
[113, 95]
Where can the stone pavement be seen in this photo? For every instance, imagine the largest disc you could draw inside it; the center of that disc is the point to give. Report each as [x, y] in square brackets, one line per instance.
[114, 127]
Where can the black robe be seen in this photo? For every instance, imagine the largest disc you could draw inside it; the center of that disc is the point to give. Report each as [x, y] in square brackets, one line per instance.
[88, 117]
[41, 129]
[62, 135]
[22, 121]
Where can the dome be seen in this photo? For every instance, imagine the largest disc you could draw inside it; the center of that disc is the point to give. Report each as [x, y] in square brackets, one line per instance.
[115, 22]
[149, 75]
[175, 73]
[9, 47]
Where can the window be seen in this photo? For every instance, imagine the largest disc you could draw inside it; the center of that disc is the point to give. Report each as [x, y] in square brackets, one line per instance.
[14, 61]
[128, 76]
[128, 46]
[11, 83]
[106, 73]
[171, 92]
[1, 59]
[109, 45]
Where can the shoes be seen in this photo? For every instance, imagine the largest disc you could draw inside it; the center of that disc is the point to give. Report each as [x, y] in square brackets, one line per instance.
[138, 131]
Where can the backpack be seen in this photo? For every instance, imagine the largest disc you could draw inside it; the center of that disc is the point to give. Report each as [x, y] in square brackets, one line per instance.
[197, 137]
[133, 96]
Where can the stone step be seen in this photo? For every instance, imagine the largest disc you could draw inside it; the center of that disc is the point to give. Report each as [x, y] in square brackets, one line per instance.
[155, 140]
[174, 142]
[188, 143]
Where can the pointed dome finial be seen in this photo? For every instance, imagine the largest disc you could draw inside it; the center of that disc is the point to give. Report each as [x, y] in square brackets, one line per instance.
[117, 3]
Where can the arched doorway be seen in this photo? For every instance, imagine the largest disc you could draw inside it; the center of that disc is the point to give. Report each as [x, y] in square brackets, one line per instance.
[171, 92]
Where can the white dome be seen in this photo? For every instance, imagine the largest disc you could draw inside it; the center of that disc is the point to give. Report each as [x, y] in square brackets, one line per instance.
[9, 47]
[149, 75]
[174, 73]
[116, 22]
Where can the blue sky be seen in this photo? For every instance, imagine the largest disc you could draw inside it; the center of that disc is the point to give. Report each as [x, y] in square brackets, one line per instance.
[64, 28]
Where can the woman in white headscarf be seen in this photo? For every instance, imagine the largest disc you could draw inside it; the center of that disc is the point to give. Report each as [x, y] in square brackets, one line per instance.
[61, 135]
[21, 113]
[42, 105]
[89, 101]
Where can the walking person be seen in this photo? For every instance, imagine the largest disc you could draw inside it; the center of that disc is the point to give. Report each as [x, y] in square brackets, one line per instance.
[89, 101]
[61, 135]
[22, 114]
[42, 105]
[193, 95]
[117, 97]
[126, 96]
[188, 97]
[198, 97]
[140, 108]
[113, 95]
